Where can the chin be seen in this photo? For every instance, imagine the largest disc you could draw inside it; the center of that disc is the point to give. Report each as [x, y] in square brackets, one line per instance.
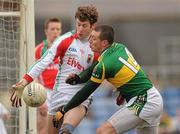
[80, 36]
[94, 50]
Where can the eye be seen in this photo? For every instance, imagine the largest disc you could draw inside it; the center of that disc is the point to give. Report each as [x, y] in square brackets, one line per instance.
[85, 26]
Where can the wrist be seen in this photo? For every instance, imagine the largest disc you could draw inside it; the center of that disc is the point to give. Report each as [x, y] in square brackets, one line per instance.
[23, 82]
[61, 109]
[28, 78]
[78, 79]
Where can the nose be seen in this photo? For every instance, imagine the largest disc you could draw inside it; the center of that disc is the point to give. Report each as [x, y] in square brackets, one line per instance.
[80, 30]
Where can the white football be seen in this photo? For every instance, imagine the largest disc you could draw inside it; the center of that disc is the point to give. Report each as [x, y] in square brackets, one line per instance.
[34, 95]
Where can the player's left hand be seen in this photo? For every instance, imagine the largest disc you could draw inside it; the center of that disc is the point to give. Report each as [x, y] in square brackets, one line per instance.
[120, 100]
[73, 79]
[58, 117]
[17, 92]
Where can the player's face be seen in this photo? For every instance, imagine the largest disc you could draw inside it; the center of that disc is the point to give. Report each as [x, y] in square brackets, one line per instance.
[95, 42]
[53, 31]
[83, 28]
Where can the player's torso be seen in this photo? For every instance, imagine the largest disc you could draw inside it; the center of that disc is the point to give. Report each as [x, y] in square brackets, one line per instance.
[122, 70]
[48, 76]
[77, 58]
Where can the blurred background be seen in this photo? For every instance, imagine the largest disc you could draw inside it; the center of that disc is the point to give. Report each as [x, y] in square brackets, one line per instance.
[151, 31]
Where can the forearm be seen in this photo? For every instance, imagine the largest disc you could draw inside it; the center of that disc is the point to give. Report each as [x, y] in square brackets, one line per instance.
[82, 95]
[41, 65]
[86, 75]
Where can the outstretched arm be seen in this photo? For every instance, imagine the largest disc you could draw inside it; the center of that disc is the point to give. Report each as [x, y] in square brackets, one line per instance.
[82, 95]
[78, 98]
[33, 73]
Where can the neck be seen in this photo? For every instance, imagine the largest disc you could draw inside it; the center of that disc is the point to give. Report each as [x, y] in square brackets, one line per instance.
[104, 48]
[49, 43]
[83, 40]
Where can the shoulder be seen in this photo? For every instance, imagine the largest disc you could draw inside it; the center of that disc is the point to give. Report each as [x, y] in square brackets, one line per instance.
[67, 36]
[62, 43]
[117, 46]
[39, 46]
[114, 50]
[38, 50]
[96, 56]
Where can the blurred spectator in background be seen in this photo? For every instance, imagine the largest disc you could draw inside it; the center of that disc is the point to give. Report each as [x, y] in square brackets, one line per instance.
[170, 120]
[4, 114]
[165, 126]
[52, 29]
[176, 122]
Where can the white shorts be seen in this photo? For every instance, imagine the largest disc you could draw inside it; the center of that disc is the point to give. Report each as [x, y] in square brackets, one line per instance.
[49, 92]
[147, 107]
[59, 99]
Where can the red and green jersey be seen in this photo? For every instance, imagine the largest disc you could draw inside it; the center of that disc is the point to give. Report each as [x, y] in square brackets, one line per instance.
[48, 76]
[118, 66]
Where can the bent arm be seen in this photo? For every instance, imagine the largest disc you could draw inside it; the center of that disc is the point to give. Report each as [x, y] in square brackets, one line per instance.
[44, 61]
[81, 95]
[86, 74]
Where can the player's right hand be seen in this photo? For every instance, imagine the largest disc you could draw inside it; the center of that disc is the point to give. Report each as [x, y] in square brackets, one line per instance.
[58, 117]
[17, 92]
[73, 79]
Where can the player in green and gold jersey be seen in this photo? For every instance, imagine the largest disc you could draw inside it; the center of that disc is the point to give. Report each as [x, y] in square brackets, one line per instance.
[117, 65]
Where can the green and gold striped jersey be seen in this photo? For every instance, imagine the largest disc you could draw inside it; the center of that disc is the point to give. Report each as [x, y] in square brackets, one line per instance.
[118, 66]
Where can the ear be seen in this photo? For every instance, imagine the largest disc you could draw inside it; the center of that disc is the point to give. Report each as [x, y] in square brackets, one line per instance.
[94, 25]
[45, 31]
[105, 43]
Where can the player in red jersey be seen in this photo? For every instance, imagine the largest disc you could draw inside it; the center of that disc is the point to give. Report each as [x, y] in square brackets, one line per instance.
[52, 29]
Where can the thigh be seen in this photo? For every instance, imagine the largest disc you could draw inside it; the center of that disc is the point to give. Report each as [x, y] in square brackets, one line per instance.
[42, 122]
[148, 130]
[74, 116]
[125, 120]
[57, 100]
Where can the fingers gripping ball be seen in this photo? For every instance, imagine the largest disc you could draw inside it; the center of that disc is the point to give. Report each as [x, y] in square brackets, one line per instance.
[34, 95]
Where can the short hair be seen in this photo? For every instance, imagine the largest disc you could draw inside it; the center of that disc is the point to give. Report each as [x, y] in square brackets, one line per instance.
[106, 33]
[56, 20]
[87, 13]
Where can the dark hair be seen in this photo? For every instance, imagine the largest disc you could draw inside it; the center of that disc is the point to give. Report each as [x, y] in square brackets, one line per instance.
[106, 33]
[87, 13]
[49, 21]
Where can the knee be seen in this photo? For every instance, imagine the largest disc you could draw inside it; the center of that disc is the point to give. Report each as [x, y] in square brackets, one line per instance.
[99, 130]
[106, 128]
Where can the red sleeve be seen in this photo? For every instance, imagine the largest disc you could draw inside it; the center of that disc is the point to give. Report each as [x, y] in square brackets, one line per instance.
[96, 56]
[38, 50]
[28, 78]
